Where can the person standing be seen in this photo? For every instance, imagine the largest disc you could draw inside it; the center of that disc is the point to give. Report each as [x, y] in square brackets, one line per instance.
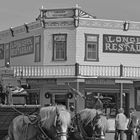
[132, 125]
[120, 125]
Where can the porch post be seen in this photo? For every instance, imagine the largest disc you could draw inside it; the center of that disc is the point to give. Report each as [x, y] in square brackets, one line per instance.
[76, 69]
[121, 86]
[76, 96]
[121, 95]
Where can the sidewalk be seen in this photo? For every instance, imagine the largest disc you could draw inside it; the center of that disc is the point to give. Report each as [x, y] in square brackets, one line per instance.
[110, 136]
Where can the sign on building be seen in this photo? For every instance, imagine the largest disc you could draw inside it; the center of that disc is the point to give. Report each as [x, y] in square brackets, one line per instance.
[121, 44]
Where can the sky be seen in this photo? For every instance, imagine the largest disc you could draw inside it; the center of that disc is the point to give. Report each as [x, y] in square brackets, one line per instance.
[17, 12]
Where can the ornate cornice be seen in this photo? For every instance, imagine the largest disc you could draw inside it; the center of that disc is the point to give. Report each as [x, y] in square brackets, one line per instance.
[108, 24]
[59, 24]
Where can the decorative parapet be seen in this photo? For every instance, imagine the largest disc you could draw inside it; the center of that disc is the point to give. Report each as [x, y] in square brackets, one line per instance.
[34, 25]
[5, 34]
[20, 29]
[59, 23]
[70, 17]
[108, 24]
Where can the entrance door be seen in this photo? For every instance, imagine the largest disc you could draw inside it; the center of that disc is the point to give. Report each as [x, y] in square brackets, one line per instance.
[61, 99]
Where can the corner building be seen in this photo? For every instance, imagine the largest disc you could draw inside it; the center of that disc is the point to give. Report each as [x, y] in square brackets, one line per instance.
[69, 47]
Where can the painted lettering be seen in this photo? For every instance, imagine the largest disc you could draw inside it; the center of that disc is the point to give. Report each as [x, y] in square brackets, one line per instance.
[121, 44]
[108, 46]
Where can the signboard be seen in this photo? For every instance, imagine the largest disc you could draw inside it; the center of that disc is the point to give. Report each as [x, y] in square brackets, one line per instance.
[100, 81]
[22, 46]
[121, 44]
[59, 13]
[124, 81]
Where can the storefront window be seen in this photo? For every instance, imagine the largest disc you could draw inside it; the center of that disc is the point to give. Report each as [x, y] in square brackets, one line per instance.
[109, 100]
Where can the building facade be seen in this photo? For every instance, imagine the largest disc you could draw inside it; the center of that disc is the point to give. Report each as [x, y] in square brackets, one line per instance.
[68, 49]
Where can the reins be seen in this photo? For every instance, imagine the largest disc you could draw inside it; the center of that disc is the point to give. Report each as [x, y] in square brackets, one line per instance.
[81, 130]
[36, 122]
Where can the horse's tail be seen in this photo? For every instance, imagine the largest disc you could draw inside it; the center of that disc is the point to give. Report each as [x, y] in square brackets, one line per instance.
[10, 132]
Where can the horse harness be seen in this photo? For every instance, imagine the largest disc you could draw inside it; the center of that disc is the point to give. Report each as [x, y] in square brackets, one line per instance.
[37, 123]
[35, 120]
[81, 130]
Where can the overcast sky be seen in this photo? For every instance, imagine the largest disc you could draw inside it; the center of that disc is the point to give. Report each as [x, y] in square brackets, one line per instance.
[17, 12]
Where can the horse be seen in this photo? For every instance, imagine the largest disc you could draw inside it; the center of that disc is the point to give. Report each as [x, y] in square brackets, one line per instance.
[88, 124]
[51, 122]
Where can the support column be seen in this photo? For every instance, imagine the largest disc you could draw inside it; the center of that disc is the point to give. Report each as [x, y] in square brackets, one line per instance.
[76, 96]
[121, 95]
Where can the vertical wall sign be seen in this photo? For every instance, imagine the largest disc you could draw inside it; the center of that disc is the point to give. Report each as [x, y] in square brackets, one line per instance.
[1, 51]
[7, 53]
[38, 48]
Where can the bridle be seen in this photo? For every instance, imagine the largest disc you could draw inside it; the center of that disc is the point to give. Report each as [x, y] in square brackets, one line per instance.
[95, 126]
[92, 124]
[57, 127]
[58, 124]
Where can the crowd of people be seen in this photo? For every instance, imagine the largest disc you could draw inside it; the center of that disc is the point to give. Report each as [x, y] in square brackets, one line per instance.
[127, 129]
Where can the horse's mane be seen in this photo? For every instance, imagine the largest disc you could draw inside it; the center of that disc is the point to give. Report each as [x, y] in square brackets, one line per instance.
[48, 115]
[103, 123]
[87, 115]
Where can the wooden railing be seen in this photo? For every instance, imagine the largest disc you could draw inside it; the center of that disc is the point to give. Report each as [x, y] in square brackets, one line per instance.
[53, 71]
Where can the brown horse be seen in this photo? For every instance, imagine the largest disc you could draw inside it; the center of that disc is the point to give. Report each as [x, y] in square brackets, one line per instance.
[53, 124]
[88, 124]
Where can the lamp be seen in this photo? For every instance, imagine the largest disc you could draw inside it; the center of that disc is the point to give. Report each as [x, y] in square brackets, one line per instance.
[69, 95]
[26, 27]
[11, 31]
[126, 26]
[7, 64]
[47, 95]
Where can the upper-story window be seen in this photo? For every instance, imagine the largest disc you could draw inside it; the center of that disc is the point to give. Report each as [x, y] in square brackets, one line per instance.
[59, 46]
[91, 48]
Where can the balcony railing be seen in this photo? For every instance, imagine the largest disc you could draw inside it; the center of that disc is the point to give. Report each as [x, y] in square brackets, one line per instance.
[53, 71]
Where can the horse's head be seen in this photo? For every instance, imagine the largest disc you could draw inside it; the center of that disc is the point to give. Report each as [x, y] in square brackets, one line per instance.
[57, 122]
[100, 126]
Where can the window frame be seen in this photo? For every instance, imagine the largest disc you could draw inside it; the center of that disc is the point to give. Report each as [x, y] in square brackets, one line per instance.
[137, 96]
[91, 42]
[54, 58]
[37, 54]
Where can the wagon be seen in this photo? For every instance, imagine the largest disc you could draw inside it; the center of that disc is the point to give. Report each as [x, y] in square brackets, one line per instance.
[9, 112]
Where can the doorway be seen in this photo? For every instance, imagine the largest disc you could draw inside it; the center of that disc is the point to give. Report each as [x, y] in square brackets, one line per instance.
[61, 99]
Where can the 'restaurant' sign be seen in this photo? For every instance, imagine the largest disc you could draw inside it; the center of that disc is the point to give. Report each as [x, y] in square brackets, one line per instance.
[22, 47]
[121, 44]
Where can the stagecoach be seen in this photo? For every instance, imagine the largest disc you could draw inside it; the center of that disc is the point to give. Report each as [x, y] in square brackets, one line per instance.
[9, 112]
[15, 100]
